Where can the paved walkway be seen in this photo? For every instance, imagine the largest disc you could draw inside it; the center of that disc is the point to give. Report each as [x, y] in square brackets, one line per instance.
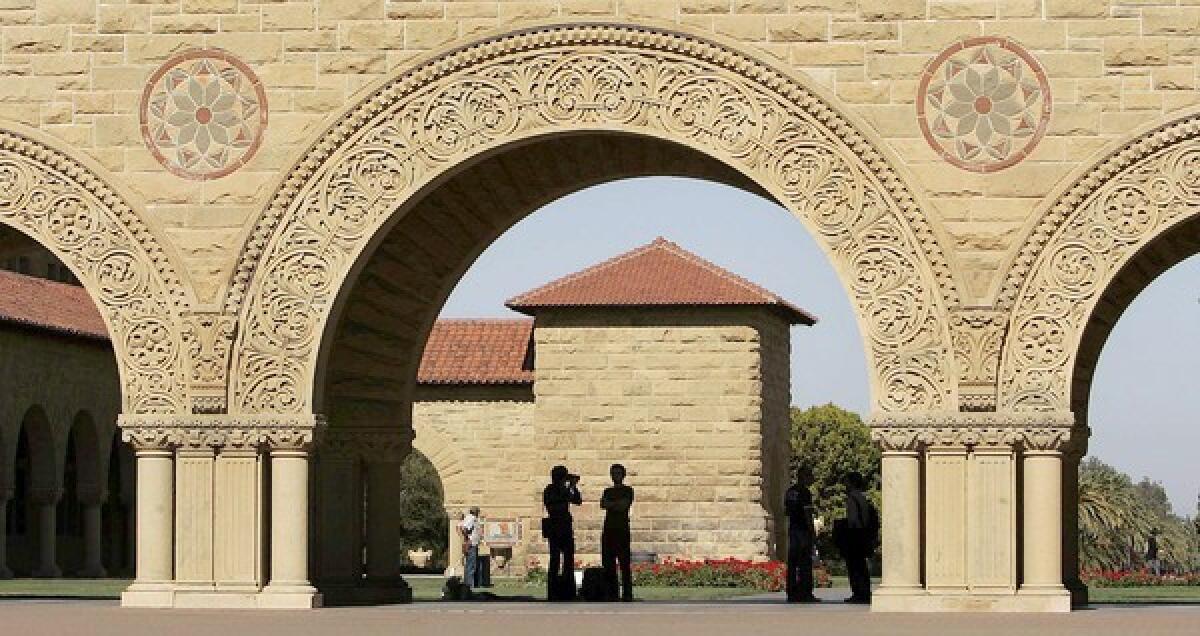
[750, 617]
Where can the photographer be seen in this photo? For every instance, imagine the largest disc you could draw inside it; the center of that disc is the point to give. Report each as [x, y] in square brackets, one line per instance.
[559, 495]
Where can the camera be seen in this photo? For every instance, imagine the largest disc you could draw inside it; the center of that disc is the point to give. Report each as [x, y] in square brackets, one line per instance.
[572, 478]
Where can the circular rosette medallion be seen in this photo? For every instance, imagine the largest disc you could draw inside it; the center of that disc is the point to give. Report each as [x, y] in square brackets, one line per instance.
[983, 104]
[203, 114]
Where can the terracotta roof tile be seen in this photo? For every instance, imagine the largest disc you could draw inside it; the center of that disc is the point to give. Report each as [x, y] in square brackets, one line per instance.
[45, 304]
[478, 352]
[658, 274]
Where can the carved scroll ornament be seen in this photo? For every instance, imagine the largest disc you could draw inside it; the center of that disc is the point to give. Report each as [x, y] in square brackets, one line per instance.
[591, 77]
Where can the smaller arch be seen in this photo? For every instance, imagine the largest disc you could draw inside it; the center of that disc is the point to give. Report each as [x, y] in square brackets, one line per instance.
[1077, 261]
[45, 466]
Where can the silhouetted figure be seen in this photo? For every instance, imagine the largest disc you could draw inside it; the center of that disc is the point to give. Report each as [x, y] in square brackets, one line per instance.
[862, 524]
[614, 540]
[1152, 560]
[558, 497]
[802, 537]
[471, 529]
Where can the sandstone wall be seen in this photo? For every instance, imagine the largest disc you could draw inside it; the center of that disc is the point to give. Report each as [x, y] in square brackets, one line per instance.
[77, 69]
[678, 397]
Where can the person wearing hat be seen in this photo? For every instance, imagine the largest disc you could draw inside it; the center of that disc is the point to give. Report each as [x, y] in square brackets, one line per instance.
[472, 532]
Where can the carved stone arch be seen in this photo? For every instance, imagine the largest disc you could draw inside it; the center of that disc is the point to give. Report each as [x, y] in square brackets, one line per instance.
[420, 125]
[64, 204]
[447, 460]
[1120, 223]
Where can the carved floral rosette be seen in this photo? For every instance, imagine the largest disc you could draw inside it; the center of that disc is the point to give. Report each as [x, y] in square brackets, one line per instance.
[1076, 250]
[1029, 432]
[198, 432]
[594, 77]
[63, 206]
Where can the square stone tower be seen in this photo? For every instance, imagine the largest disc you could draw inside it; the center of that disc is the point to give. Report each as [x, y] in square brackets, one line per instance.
[679, 369]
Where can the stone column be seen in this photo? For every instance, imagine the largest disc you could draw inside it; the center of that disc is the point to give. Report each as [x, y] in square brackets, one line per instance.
[454, 551]
[1075, 585]
[45, 504]
[384, 523]
[289, 586]
[155, 528]
[1043, 521]
[5, 573]
[93, 547]
[901, 519]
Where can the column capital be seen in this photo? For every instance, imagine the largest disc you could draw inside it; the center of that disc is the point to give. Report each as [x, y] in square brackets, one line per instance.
[211, 431]
[390, 444]
[958, 429]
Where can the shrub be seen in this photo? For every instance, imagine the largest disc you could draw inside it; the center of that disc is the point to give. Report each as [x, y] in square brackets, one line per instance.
[768, 576]
[1137, 578]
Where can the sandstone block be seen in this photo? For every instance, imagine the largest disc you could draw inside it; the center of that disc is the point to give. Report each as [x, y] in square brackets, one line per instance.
[798, 28]
[429, 34]
[1077, 8]
[185, 24]
[516, 11]
[365, 36]
[309, 42]
[47, 39]
[145, 49]
[692, 7]
[209, 6]
[1171, 21]
[893, 9]
[351, 10]
[1133, 51]
[760, 6]
[416, 11]
[932, 37]
[66, 11]
[251, 47]
[959, 9]
[97, 43]
[288, 17]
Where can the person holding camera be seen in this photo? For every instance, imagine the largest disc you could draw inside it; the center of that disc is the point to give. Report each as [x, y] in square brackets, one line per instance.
[557, 528]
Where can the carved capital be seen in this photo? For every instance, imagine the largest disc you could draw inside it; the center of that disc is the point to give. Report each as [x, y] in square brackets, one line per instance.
[368, 444]
[978, 335]
[910, 431]
[208, 341]
[296, 432]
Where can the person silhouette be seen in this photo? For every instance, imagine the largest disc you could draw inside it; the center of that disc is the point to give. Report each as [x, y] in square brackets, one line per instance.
[802, 536]
[615, 538]
[862, 521]
[560, 494]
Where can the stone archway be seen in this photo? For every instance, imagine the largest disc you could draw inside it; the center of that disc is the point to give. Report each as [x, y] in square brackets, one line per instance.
[61, 202]
[1116, 227]
[422, 126]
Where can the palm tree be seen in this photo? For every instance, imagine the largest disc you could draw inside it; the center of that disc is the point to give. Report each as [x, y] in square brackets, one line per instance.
[1110, 514]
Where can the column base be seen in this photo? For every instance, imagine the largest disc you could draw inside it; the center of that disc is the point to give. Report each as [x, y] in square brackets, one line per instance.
[148, 595]
[299, 596]
[1079, 592]
[895, 601]
[371, 592]
[50, 572]
[93, 572]
[5, 573]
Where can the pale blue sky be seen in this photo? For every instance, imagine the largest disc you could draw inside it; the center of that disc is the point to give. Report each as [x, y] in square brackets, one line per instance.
[1141, 411]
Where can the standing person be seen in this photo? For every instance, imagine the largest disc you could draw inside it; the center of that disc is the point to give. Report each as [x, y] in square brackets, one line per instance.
[558, 497]
[615, 539]
[1152, 560]
[802, 536]
[862, 521]
[472, 532]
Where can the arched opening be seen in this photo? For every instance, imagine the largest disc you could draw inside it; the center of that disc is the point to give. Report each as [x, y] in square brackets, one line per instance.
[1133, 372]
[369, 379]
[425, 525]
[60, 386]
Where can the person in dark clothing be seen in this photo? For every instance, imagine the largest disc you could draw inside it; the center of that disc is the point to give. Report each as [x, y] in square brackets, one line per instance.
[1152, 560]
[802, 537]
[558, 497]
[614, 540]
[862, 522]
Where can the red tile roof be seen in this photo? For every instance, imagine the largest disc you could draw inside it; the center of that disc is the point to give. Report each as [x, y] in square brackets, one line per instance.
[45, 304]
[478, 352]
[658, 274]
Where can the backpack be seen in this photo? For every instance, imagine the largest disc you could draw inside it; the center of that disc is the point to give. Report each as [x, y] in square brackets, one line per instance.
[594, 586]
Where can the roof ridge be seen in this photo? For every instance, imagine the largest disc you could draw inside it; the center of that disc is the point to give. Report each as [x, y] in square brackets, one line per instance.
[696, 259]
[587, 271]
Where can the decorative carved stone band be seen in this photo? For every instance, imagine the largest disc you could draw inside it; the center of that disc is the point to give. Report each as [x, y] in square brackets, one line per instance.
[1108, 215]
[591, 77]
[978, 335]
[64, 206]
[296, 432]
[208, 341]
[1030, 431]
[372, 444]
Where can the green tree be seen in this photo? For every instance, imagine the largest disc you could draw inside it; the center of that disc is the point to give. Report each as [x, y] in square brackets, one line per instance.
[833, 442]
[421, 507]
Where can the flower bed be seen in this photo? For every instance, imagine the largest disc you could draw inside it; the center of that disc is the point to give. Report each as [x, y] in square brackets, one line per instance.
[1137, 578]
[768, 576]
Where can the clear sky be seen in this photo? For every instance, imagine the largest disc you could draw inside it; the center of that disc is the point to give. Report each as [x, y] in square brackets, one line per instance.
[1142, 424]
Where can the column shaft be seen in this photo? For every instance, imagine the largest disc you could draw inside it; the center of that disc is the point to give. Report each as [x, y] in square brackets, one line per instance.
[1043, 521]
[155, 519]
[289, 522]
[383, 521]
[46, 507]
[93, 561]
[454, 553]
[901, 520]
[5, 573]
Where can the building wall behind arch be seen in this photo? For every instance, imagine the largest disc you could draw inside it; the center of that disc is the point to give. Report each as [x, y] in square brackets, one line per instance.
[77, 69]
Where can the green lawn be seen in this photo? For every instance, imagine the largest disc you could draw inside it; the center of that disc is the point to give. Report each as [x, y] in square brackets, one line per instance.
[1159, 594]
[63, 588]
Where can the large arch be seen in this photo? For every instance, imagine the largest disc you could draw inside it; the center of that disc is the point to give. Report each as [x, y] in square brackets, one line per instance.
[64, 203]
[1118, 225]
[425, 126]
